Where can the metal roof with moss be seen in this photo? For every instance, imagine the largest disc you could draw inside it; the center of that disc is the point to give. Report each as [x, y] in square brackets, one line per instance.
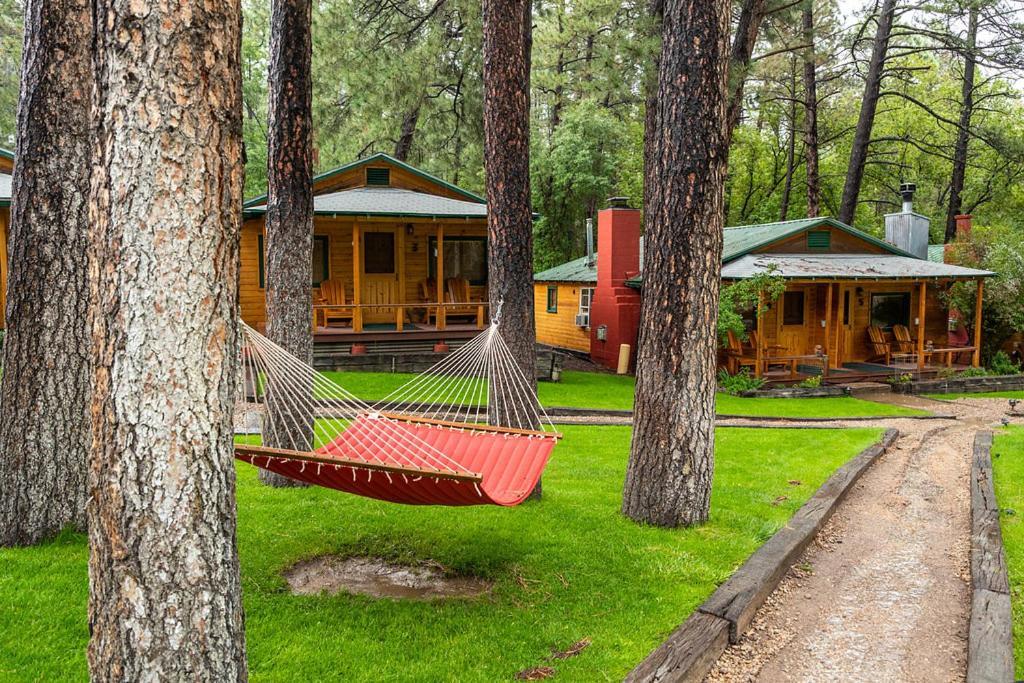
[389, 201]
[583, 269]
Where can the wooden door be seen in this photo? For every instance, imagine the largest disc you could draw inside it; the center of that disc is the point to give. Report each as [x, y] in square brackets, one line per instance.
[379, 273]
[794, 320]
[845, 316]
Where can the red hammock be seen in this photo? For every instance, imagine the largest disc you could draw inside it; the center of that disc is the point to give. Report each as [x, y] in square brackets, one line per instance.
[496, 466]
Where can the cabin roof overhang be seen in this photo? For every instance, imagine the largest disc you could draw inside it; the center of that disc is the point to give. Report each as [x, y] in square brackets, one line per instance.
[846, 267]
[389, 202]
[741, 240]
[579, 271]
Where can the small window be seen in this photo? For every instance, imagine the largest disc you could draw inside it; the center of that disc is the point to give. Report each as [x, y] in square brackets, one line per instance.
[378, 176]
[586, 297]
[890, 309]
[463, 257]
[793, 308]
[819, 239]
[321, 260]
[552, 299]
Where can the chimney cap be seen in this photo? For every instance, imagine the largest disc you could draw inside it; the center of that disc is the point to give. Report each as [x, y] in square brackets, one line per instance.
[618, 202]
[907, 190]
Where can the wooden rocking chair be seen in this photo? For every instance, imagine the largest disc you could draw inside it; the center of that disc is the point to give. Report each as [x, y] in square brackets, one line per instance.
[331, 305]
[738, 356]
[904, 342]
[880, 348]
[458, 293]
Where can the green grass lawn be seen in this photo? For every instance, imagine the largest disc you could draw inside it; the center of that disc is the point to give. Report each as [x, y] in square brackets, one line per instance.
[615, 392]
[566, 568]
[1008, 477]
[983, 394]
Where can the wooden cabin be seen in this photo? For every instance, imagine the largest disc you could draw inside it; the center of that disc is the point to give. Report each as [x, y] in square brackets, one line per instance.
[561, 304]
[398, 254]
[6, 174]
[854, 305]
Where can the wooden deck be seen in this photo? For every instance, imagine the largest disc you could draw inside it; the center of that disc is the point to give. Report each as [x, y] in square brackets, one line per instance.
[851, 373]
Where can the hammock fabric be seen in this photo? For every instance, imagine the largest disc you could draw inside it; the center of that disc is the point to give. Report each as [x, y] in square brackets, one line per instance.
[500, 468]
[443, 453]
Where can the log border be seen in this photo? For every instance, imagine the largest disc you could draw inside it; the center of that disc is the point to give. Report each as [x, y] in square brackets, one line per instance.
[693, 648]
[990, 639]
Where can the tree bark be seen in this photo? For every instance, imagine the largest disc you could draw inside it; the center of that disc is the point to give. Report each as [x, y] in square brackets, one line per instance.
[289, 241]
[671, 462]
[408, 133]
[751, 15]
[44, 396]
[956, 185]
[866, 119]
[165, 595]
[507, 47]
[811, 113]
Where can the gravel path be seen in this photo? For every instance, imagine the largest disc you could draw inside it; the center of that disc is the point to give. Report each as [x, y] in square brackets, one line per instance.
[882, 593]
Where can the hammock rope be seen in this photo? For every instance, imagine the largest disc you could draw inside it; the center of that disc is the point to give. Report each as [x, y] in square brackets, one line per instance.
[471, 418]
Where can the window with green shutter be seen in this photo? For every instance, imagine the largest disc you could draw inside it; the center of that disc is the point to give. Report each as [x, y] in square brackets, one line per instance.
[378, 176]
[819, 239]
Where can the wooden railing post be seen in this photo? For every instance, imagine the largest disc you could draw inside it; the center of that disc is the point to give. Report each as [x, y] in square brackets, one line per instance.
[922, 300]
[357, 293]
[441, 322]
[976, 360]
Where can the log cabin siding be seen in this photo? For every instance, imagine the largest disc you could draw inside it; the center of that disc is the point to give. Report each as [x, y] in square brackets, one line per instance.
[841, 242]
[559, 329]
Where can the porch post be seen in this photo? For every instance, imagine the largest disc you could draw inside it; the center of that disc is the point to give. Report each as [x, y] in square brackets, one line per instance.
[828, 323]
[760, 334]
[922, 299]
[976, 360]
[357, 290]
[440, 317]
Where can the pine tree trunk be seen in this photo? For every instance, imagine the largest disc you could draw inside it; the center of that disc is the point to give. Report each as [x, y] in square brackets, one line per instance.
[747, 27]
[507, 45]
[165, 595]
[787, 186]
[408, 133]
[866, 119]
[44, 397]
[811, 114]
[671, 462]
[956, 185]
[289, 240]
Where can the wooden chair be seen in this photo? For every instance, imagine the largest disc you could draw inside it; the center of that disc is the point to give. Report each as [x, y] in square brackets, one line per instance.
[880, 348]
[458, 293]
[904, 342]
[428, 295]
[332, 305]
[738, 356]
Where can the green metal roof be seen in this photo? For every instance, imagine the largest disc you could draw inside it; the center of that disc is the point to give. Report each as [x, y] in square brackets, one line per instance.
[577, 270]
[7, 154]
[373, 158]
[937, 253]
[389, 201]
[743, 239]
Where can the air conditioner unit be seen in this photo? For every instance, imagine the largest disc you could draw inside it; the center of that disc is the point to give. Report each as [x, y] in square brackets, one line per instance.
[583, 320]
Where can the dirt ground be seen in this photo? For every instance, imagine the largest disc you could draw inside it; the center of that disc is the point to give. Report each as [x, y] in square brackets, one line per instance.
[882, 593]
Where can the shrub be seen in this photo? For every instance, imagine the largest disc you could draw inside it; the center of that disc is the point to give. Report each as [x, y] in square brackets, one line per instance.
[972, 372]
[1002, 365]
[738, 383]
[905, 378]
[812, 382]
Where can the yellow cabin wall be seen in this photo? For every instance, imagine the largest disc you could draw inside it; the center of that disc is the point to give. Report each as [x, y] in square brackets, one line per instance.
[414, 254]
[559, 329]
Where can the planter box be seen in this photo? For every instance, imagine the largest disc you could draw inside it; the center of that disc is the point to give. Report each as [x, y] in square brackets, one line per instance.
[796, 392]
[962, 385]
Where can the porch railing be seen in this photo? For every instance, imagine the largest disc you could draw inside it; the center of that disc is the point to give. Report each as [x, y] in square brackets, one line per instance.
[440, 312]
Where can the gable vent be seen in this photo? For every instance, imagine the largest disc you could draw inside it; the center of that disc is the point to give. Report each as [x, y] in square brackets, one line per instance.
[819, 239]
[378, 176]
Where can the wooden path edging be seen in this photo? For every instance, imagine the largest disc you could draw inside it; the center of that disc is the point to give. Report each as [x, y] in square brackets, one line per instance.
[990, 640]
[692, 649]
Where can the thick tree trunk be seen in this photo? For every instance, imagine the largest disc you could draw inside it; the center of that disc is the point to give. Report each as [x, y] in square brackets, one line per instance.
[507, 46]
[866, 119]
[44, 398]
[811, 114]
[408, 133]
[165, 596]
[747, 27]
[671, 462]
[956, 185]
[289, 242]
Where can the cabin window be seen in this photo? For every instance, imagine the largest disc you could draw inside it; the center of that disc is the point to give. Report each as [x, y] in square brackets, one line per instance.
[890, 309]
[321, 267]
[553, 299]
[819, 240]
[464, 257]
[379, 253]
[378, 176]
[586, 296]
[793, 308]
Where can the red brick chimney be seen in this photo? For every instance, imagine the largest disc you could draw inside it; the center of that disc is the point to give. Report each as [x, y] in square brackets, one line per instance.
[963, 225]
[615, 310]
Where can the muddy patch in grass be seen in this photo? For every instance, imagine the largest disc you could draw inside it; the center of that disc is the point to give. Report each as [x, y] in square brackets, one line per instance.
[378, 578]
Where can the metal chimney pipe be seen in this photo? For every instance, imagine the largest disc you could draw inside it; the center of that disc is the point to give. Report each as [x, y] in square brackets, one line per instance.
[590, 241]
[907, 192]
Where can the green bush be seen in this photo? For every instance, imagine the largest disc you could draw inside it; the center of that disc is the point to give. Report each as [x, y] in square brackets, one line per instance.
[812, 382]
[1002, 365]
[738, 383]
[972, 372]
